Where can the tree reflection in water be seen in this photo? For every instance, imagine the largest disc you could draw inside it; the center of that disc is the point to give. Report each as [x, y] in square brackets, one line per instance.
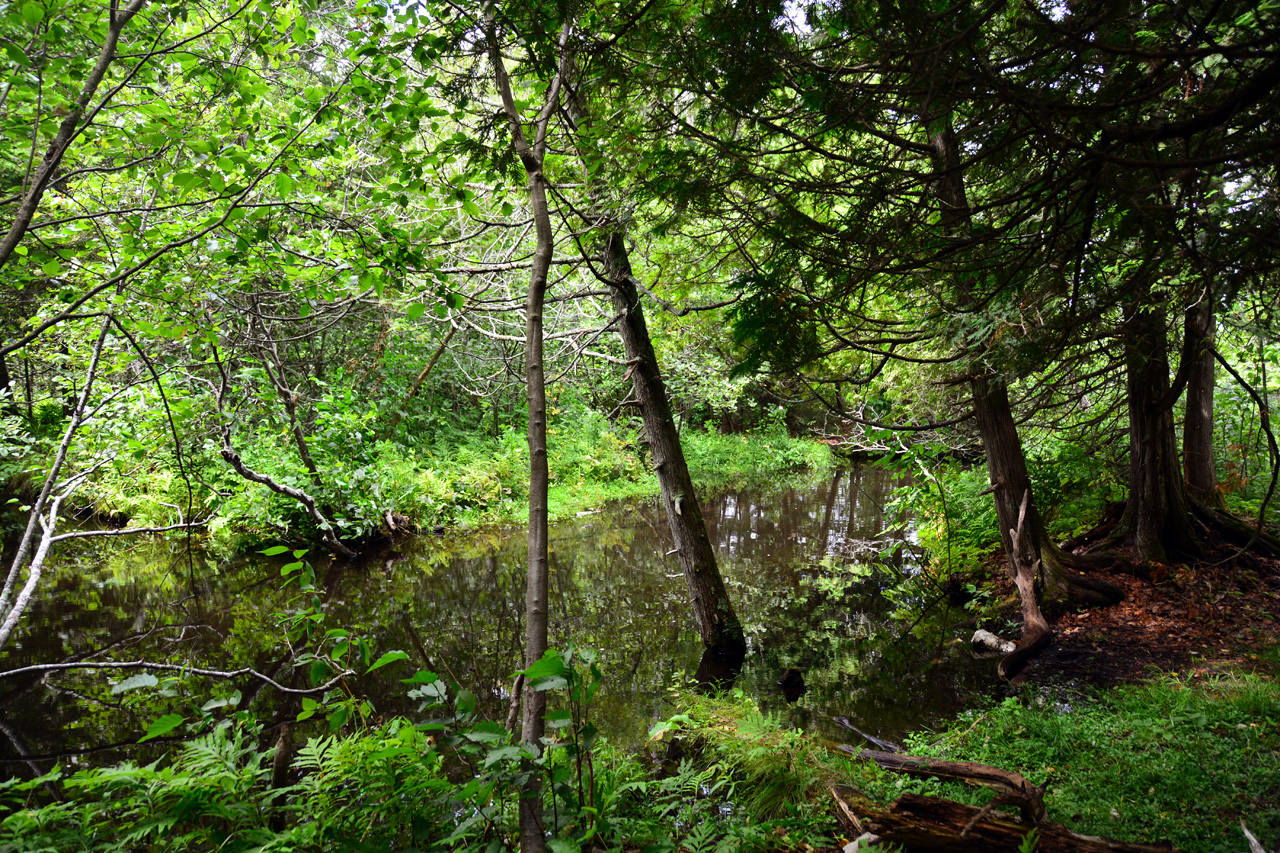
[798, 561]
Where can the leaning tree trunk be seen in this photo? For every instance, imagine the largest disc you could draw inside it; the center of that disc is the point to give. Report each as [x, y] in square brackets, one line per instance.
[1157, 517]
[1058, 582]
[1198, 464]
[717, 622]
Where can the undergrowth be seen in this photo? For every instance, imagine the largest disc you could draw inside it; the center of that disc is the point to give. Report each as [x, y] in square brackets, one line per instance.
[1182, 759]
[464, 480]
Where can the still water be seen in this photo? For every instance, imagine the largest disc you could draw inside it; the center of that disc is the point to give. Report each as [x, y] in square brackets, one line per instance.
[806, 565]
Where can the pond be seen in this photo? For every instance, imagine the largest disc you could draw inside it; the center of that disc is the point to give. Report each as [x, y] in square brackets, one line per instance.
[806, 565]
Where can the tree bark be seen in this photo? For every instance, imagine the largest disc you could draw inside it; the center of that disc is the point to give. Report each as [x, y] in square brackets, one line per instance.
[1157, 518]
[718, 624]
[1059, 583]
[532, 154]
[1198, 464]
[8, 400]
[920, 823]
[68, 130]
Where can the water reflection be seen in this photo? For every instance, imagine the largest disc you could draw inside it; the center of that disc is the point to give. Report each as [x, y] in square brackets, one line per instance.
[805, 564]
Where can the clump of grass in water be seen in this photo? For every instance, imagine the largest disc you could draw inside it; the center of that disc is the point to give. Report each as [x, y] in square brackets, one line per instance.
[1181, 759]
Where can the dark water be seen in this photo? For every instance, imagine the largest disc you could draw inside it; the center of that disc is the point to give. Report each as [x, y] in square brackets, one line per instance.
[806, 566]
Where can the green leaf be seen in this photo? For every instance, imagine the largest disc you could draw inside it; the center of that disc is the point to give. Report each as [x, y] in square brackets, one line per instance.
[51, 268]
[389, 657]
[486, 732]
[549, 664]
[466, 702]
[32, 13]
[284, 184]
[133, 682]
[502, 753]
[162, 726]
[558, 719]
[422, 676]
[548, 682]
[415, 310]
[319, 669]
[274, 550]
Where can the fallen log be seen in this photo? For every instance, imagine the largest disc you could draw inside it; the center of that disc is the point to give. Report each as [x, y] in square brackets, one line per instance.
[1012, 788]
[921, 824]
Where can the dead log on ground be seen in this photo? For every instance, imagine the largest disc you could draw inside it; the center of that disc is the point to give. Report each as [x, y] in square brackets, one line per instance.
[927, 824]
[1012, 788]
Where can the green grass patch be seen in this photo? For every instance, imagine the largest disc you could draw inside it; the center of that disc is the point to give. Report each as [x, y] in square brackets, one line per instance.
[1177, 759]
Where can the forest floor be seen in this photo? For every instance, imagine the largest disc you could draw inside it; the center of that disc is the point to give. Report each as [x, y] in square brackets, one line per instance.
[1197, 617]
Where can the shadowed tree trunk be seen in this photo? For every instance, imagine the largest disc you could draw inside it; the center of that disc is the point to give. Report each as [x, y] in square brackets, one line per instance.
[717, 622]
[1157, 517]
[8, 404]
[1056, 581]
[1198, 463]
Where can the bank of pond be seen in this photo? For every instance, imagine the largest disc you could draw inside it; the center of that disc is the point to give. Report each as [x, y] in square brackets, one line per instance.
[417, 643]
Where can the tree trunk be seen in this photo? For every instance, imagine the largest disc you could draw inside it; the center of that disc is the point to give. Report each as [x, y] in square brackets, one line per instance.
[1198, 463]
[1058, 583]
[1006, 463]
[1157, 518]
[532, 154]
[8, 399]
[535, 641]
[717, 622]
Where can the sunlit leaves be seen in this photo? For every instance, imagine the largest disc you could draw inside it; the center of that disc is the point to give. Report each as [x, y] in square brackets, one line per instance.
[162, 726]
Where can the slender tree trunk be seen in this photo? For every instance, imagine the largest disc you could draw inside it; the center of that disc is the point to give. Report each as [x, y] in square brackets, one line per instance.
[8, 401]
[532, 154]
[1157, 517]
[717, 622]
[68, 130]
[290, 400]
[1198, 462]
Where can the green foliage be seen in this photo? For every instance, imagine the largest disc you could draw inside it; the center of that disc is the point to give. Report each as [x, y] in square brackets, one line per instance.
[774, 768]
[754, 459]
[1179, 758]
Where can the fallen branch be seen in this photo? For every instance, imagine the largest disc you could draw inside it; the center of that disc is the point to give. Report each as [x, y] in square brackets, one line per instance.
[177, 667]
[326, 529]
[1017, 789]
[919, 823]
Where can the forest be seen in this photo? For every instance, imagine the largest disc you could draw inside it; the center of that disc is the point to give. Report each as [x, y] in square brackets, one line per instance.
[349, 346]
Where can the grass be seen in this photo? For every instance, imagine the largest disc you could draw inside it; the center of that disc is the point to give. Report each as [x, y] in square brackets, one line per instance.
[1179, 758]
